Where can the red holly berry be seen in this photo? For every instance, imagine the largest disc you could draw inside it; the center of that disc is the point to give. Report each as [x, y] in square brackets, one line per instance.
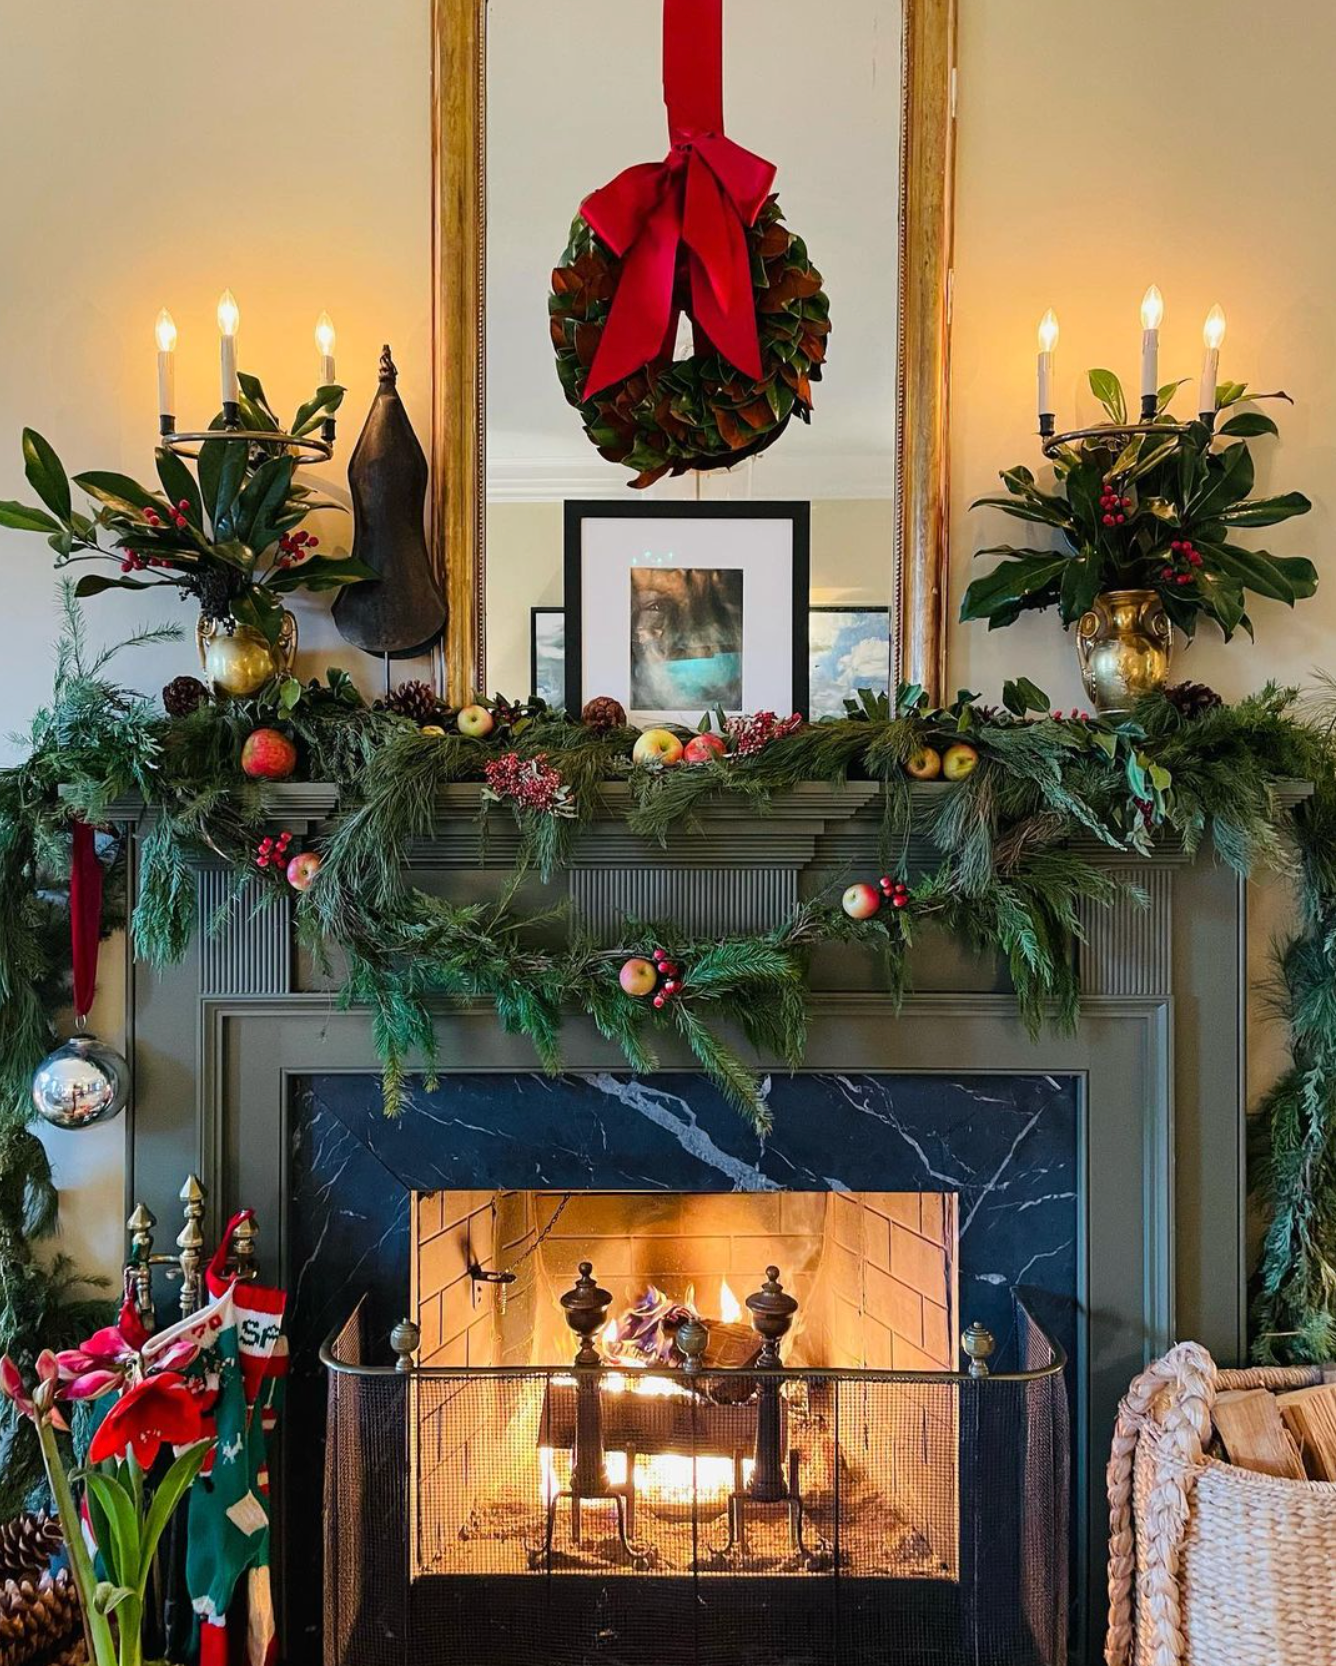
[1120, 519]
[184, 505]
[659, 956]
[899, 902]
[659, 1001]
[1127, 503]
[1185, 578]
[311, 543]
[1194, 556]
[1166, 573]
[1108, 520]
[671, 987]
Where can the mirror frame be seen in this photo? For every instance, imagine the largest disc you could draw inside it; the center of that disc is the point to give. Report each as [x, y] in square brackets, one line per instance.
[458, 502]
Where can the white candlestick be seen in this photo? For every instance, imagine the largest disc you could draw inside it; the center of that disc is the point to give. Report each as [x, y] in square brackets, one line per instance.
[1213, 333]
[1048, 340]
[1152, 311]
[165, 332]
[229, 317]
[324, 340]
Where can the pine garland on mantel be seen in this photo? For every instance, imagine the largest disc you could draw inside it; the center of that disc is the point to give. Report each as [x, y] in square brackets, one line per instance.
[1012, 869]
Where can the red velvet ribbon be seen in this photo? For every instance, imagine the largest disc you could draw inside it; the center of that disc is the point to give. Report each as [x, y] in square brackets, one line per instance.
[85, 915]
[700, 199]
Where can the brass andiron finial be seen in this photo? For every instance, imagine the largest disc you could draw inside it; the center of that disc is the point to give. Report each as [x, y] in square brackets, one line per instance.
[404, 1339]
[691, 1340]
[242, 1249]
[977, 1343]
[139, 1270]
[190, 1242]
[586, 1308]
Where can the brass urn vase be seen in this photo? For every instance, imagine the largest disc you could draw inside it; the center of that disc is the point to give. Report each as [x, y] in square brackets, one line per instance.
[1125, 642]
[239, 660]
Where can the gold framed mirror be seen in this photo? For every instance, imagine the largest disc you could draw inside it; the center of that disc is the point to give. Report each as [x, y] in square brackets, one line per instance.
[913, 517]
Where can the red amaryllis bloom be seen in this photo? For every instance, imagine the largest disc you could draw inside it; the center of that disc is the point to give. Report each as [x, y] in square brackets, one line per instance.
[102, 1362]
[161, 1408]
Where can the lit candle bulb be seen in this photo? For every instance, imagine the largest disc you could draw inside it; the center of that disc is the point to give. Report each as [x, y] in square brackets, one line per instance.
[1048, 340]
[324, 340]
[229, 316]
[1152, 311]
[164, 331]
[1213, 333]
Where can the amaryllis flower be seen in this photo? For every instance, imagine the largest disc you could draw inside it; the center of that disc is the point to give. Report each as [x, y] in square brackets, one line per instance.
[41, 1402]
[160, 1408]
[109, 1355]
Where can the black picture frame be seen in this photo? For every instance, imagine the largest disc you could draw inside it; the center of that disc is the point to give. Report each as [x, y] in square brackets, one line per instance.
[534, 614]
[579, 511]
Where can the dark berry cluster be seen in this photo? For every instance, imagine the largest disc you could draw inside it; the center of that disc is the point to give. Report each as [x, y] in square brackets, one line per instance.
[1186, 559]
[294, 547]
[273, 853]
[895, 891]
[670, 977]
[753, 734]
[1114, 506]
[531, 783]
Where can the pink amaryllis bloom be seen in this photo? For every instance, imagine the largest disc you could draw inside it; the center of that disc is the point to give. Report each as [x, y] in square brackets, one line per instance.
[40, 1403]
[160, 1408]
[111, 1355]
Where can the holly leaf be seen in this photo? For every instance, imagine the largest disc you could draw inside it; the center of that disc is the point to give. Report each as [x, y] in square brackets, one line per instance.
[46, 474]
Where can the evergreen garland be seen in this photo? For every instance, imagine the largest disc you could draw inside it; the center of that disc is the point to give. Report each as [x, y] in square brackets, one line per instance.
[1009, 878]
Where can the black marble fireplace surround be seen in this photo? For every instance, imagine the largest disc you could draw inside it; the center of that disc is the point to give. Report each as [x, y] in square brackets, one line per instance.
[1101, 1169]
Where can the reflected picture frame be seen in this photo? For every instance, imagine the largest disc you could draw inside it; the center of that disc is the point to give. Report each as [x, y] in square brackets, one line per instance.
[677, 609]
[547, 656]
[865, 628]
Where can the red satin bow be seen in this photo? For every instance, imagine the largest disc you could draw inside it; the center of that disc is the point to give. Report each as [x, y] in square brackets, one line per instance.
[700, 198]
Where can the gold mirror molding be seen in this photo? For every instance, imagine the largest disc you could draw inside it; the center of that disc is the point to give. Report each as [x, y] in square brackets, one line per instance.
[459, 413]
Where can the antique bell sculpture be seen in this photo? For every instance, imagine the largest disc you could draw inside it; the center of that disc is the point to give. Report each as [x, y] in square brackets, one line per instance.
[403, 613]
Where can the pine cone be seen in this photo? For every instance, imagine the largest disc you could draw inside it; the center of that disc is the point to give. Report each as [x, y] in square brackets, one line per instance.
[414, 700]
[184, 695]
[1192, 699]
[37, 1619]
[603, 712]
[27, 1545]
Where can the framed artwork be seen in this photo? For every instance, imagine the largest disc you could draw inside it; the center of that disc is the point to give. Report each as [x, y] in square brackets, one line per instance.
[676, 608]
[850, 648]
[547, 654]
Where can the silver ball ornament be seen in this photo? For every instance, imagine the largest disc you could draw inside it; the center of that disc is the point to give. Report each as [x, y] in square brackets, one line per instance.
[82, 1082]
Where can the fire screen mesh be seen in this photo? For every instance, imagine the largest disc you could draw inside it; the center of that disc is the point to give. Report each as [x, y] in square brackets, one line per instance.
[785, 1518]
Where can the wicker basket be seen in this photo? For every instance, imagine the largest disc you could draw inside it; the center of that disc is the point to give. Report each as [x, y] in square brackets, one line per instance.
[1209, 1564]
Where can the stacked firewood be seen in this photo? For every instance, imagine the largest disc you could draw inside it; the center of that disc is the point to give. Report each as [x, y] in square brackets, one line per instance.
[39, 1610]
[1290, 1434]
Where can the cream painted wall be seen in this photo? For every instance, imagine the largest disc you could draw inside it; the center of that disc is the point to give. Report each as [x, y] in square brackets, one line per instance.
[154, 152]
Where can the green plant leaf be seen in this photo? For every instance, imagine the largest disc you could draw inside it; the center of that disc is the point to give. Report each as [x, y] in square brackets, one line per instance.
[1253, 569]
[1022, 579]
[1053, 513]
[1267, 511]
[46, 474]
[23, 519]
[221, 466]
[1109, 391]
[1229, 393]
[1020, 695]
[179, 485]
[93, 584]
[319, 573]
[122, 1554]
[166, 1496]
[264, 493]
[1248, 425]
[325, 402]
[1164, 396]
[1229, 477]
[119, 492]
[1082, 581]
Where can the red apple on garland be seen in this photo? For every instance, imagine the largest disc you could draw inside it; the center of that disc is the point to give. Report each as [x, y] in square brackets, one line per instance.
[925, 764]
[268, 755]
[638, 977]
[302, 870]
[660, 747]
[701, 748]
[861, 902]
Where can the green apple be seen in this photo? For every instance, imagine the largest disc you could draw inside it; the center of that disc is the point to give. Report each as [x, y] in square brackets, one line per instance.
[959, 761]
[476, 722]
[660, 747]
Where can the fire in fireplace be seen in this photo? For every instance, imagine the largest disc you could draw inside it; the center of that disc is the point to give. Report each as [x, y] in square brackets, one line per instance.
[720, 1428]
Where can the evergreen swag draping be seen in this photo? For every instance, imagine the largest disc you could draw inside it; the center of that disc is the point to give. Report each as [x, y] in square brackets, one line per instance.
[1005, 882]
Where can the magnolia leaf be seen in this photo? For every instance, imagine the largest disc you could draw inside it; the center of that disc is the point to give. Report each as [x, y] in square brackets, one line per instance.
[1020, 695]
[23, 519]
[1164, 396]
[1254, 569]
[46, 474]
[1109, 391]
[1023, 579]
[179, 485]
[1248, 425]
[93, 584]
[1267, 511]
[1229, 478]
[1050, 512]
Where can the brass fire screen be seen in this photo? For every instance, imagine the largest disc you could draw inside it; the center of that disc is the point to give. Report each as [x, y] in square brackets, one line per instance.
[549, 1517]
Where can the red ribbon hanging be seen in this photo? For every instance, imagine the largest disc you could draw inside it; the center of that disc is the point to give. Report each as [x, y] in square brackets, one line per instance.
[85, 916]
[701, 198]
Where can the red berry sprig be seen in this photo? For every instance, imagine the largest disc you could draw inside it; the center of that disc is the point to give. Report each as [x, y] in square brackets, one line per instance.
[1114, 506]
[1186, 558]
[670, 978]
[294, 547]
[273, 853]
[895, 891]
